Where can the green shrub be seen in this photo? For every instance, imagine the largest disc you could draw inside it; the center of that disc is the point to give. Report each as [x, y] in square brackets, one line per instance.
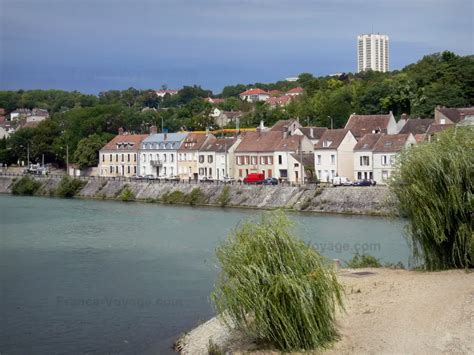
[435, 188]
[195, 197]
[126, 194]
[224, 197]
[364, 260]
[276, 288]
[173, 197]
[69, 187]
[25, 186]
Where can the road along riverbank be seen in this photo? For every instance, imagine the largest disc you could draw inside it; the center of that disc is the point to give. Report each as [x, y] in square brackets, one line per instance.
[373, 200]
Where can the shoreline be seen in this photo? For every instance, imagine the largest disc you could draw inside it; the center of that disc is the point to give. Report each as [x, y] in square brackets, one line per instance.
[357, 201]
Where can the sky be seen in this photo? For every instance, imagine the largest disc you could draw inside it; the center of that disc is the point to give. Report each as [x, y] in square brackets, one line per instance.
[96, 45]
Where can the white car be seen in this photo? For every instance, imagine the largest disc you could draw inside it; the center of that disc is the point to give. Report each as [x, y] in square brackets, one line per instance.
[227, 180]
[341, 181]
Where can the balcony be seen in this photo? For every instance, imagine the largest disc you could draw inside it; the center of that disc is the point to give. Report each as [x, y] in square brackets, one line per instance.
[156, 163]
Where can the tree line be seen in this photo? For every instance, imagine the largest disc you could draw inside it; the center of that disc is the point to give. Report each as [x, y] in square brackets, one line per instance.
[84, 122]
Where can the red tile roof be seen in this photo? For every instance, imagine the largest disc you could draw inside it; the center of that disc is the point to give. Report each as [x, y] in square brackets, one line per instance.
[335, 136]
[219, 145]
[194, 141]
[297, 90]
[133, 139]
[259, 142]
[278, 101]
[254, 92]
[455, 114]
[313, 132]
[360, 125]
[391, 143]
[283, 125]
[367, 142]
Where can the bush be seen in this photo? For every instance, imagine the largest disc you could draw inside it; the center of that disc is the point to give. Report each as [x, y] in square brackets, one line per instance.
[435, 189]
[69, 187]
[224, 197]
[195, 197]
[364, 260]
[126, 194]
[26, 186]
[275, 287]
[173, 197]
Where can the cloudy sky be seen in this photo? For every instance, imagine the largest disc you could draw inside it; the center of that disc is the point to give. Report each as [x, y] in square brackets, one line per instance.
[94, 45]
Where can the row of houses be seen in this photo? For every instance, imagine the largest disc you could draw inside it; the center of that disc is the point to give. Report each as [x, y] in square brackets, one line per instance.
[366, 148]
[20, 118]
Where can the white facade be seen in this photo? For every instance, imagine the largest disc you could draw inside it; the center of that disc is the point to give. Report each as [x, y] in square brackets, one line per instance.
[363, 165]
[373, 52]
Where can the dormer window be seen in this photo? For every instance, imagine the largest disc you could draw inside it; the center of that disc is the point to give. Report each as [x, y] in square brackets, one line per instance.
[327, 143]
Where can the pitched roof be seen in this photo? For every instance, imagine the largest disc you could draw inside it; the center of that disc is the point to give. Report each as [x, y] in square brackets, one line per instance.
[307, 161]
[360, 125]
[455, 114]
[391, 143]
[130, 140]
[334, 136]
[219, 145]
[164, 140]
[297, 90]
[275, 92]
[368, 141]
[436, 127]
[313, 132]
[290, 143]
[259, 142]
[278, 101]
[254, 92]
[193, 141]
[214, 100]
[282, 125]
[416, 125]
[420, 137]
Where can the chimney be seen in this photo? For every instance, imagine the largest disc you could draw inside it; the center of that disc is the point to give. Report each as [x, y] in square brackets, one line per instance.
[285, 134]
[462, 115]
[262, 126]
[153, 129]
[311, 132]
[403, 116]
[120, 131]
[207, 131]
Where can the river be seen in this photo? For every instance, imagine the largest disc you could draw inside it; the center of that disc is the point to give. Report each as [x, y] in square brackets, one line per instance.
[98, 277]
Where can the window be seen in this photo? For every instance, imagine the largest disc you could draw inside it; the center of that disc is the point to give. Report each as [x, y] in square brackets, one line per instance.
[172, 157]
[270, 172]
[122, 158]
[280, 159]
[319, 160]
[240, 172]
[210, 171]
[128, 169]
[134, 169]
[364, 160]
[134, 157]
[333, 174]
[128, 157]
[359, 175]
[209, 158]
[201, 159]
[262, 160]
[327, 143]
[246, 160]
[254, 160]
[116, 169]
[201, 171]
[392, 159]
[270, 160]
[116, 157]
[164, 170]
[239, 160]
[164, 158]
[333, 159]
[110, 157]
[384, 174]
[111, 169]
[283, 173]
[185, 156]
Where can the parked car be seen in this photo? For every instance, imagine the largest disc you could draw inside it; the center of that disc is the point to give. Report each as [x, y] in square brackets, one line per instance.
[207, 180]
[254, 178]
[227, 180]
[173, 178]
[341, 181]
[149, 177]
[270, 181]
[362, 183]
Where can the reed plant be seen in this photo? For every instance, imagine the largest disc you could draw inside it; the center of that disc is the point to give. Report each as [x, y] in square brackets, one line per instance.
[435, 189]
[276, 288]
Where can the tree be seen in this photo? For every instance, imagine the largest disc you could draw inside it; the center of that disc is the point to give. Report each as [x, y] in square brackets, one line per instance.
[87, 152]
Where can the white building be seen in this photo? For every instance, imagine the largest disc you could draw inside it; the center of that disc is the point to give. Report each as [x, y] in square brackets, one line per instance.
[364, 158]
[334, 154]
[385, 154]
[159, 154]
[254, 95]
[216, 158]
[372, 52]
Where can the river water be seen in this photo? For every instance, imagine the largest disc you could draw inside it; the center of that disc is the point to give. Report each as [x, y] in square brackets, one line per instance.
[98, 277]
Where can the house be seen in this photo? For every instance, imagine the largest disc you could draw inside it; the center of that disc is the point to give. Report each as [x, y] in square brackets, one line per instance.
[416, 126]
[303, 163]
[364, 158]
[445, 115]
[216, 158]
[289, 126]
[334, 154]
[295, 92]
[227, 118]
[278, 101]
[360, 125]
[161, 93]
[188, 154]
[312, 133]
[215, 112]
[37, 115]
[159, 154]
[20, 113]
[119, 157]
[269, 153]
[254, 95]
[385, 153]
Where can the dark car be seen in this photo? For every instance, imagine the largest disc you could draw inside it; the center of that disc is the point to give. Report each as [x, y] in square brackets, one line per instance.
[270, 181]
[207, 180]
[362, 183]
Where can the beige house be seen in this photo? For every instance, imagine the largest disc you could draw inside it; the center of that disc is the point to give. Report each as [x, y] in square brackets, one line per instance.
[188, 155]
[334, 154]
[216, 158]
[364, 158]
[385, 154]
[119, 157]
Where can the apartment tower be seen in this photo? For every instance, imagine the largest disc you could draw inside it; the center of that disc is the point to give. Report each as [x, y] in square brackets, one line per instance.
[372, 52]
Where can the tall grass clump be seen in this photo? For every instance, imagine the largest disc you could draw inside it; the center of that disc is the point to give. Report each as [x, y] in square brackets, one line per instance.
[224, 197]
[26, 186]
[435, 189]
[126, 194]
[69, 187]
[276, 288]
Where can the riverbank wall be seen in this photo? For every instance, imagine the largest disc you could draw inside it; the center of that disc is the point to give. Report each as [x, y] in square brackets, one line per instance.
[373, 200]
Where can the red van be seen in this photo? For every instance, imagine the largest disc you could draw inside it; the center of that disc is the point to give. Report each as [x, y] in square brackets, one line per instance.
[254, 178]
